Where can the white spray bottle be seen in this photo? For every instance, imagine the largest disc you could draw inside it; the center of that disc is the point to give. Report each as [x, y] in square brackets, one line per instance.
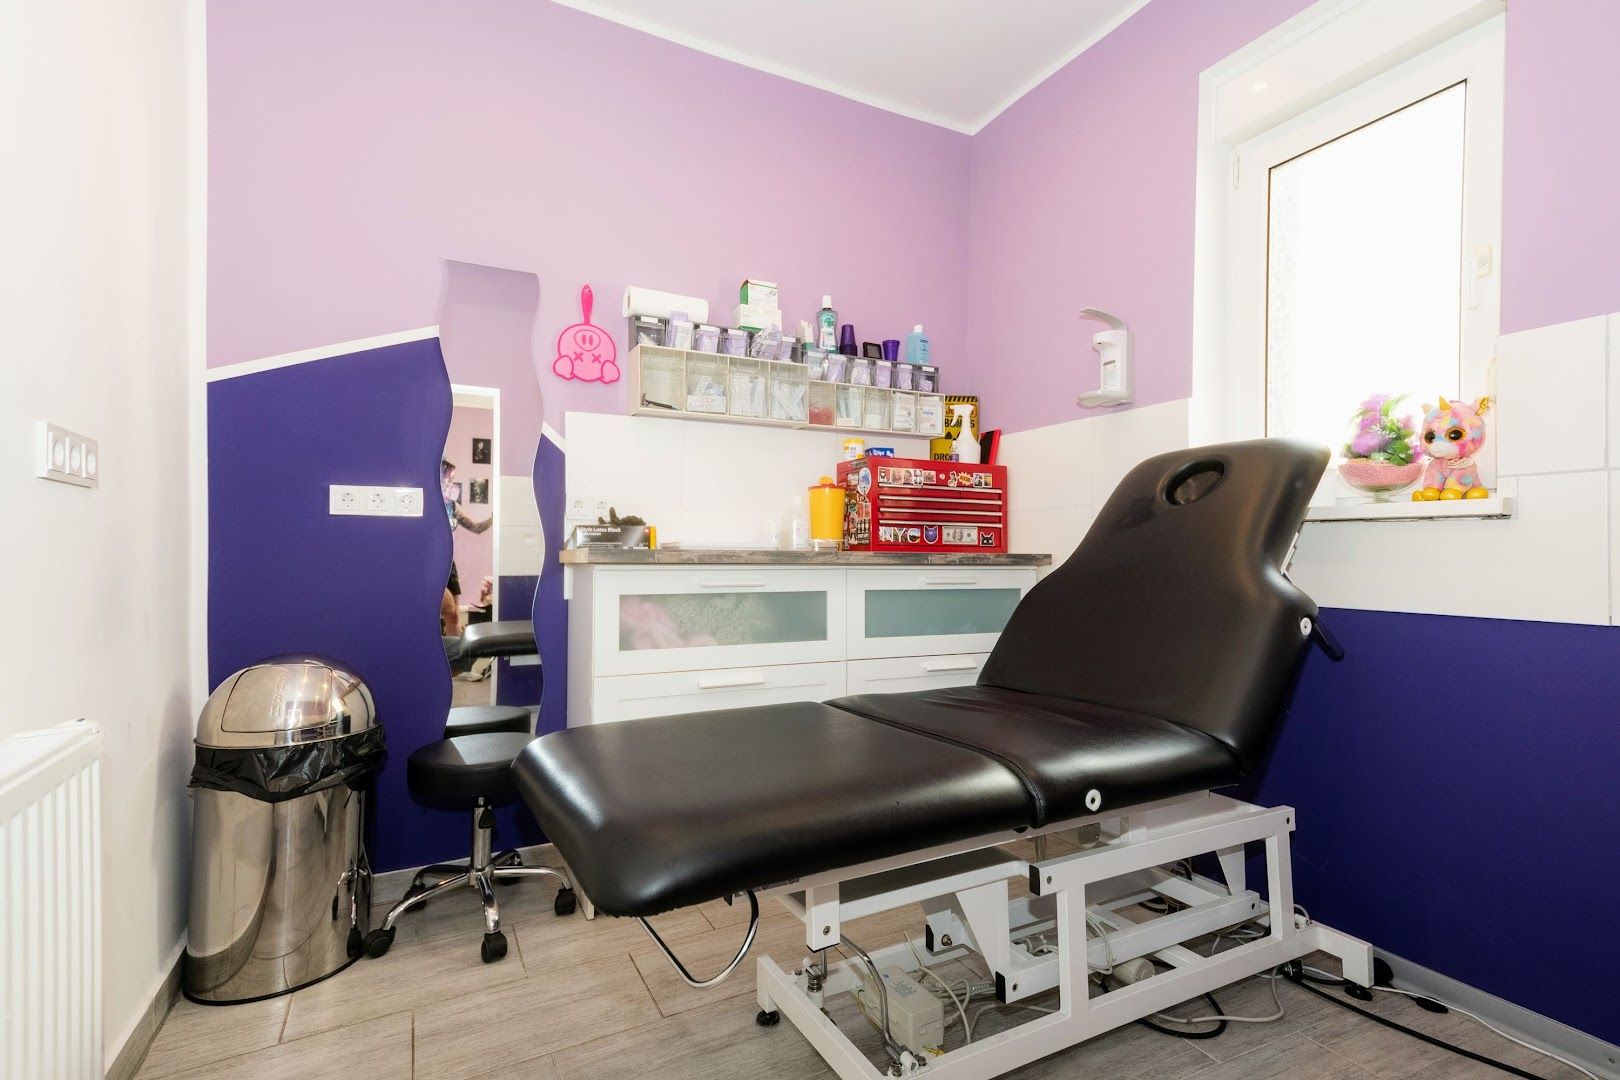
[965, 446]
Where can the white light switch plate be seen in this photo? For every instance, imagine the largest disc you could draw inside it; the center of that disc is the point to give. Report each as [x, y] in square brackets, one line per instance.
[357, 500]
[66, 457]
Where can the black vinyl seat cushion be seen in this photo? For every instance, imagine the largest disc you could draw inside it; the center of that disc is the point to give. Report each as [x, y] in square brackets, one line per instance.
[504, 637]
[483, 719]
[1062, 750]
[663, 813]
[454, 774]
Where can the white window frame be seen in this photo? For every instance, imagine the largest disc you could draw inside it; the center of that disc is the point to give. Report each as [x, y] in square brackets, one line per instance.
[1336, 66]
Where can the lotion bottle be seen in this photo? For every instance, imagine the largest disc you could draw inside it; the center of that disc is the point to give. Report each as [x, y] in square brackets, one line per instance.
[827, 326]
[916, 346]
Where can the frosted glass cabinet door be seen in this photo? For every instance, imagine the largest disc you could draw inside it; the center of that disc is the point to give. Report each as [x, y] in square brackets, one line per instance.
[714, 617]
[932, 609]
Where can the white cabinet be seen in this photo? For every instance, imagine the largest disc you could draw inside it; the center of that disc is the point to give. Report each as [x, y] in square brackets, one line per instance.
[931, 609]
[658, 640]
[631, 697]
[902, 673]
[648, 620]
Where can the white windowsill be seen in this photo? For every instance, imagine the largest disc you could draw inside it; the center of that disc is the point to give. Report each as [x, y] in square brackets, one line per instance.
[1494, 507]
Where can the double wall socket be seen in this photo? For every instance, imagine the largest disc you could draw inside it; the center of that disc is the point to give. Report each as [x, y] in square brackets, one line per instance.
[65, 457]
[352, 500]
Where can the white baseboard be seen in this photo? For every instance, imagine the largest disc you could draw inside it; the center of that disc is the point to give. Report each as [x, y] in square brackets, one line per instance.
[1589, 1051]
[125, 1055]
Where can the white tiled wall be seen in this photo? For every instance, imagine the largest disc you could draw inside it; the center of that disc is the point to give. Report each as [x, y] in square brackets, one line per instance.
[1555, 560]
[1058, 476]
[700, 481]
[1557, 435]
[521, 539]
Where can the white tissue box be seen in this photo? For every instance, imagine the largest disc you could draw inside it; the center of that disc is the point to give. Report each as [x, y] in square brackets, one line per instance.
[757, 317]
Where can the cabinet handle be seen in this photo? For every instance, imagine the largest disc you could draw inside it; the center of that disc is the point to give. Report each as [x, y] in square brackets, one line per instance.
[950, 665]
[937, 580]
[728, 682]
[735, 583]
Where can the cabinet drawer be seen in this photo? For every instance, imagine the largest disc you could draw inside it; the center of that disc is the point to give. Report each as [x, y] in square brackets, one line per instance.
[900, 674]
[647, 621]
[931, 610]
[632, 697]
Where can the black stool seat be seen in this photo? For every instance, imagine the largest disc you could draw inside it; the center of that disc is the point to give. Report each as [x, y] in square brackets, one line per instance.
[454, 774]
[483, 719]
[507, 637]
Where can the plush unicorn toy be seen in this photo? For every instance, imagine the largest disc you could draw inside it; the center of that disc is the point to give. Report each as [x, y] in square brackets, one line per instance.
[1453, 432]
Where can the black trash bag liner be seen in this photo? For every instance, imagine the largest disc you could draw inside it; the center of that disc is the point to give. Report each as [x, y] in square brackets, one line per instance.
[277, 773]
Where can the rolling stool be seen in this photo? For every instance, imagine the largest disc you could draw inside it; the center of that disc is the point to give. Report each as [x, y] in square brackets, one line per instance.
[471, 772]
[483, 720]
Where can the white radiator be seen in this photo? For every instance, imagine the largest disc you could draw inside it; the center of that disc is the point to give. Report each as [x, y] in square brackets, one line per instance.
[50, 904]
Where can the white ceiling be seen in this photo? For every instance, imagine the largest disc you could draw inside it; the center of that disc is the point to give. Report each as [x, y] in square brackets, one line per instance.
[955, 63]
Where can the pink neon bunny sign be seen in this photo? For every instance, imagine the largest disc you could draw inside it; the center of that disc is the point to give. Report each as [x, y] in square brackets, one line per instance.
[584, 351]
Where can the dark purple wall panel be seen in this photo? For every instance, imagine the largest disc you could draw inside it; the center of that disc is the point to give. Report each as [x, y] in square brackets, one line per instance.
[286, 577]
[1467, 821]
[550, 609]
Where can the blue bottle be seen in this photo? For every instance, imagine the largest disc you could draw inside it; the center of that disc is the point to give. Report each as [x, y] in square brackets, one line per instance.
[916, 346]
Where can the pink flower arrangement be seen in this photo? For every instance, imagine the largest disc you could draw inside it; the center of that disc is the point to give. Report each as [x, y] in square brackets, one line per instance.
[1378, 434]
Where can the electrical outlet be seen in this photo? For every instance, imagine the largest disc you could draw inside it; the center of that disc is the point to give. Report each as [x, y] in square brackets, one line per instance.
[408, 502]
[66, 457]
[579, 505]
[359, 500]
[600, 509]
[345, 499]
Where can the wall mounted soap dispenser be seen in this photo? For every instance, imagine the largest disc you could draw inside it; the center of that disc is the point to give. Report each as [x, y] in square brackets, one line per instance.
[1114, 356]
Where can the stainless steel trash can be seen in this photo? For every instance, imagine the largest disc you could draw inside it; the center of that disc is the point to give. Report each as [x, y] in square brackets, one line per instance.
[280, 886]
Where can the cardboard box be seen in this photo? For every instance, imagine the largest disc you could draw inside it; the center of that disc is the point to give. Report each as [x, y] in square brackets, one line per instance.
[753, 291]
[757, 317]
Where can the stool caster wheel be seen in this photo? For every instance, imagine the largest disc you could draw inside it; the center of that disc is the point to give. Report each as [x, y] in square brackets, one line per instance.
[768, 1019]
[356, 945]
[378, 941]
[565, 903]
[493, 948]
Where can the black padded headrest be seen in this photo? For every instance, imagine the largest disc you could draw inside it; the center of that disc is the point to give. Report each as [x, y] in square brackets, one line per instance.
[1175, 605]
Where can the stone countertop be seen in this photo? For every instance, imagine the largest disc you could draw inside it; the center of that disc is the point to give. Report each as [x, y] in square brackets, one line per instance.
[608, 556]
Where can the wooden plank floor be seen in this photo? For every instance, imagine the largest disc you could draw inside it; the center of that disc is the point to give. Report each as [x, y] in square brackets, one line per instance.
[576, 999]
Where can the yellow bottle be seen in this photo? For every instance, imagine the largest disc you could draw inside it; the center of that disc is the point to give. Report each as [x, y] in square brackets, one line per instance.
[826, 514]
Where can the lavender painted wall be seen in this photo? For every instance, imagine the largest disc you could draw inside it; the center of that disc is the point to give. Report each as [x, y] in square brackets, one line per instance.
[354, 146]
[1083, 197]
[475, 552]
[1561, 227]
[486, 324]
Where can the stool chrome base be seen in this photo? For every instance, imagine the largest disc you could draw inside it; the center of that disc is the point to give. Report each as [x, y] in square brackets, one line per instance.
[479, 872]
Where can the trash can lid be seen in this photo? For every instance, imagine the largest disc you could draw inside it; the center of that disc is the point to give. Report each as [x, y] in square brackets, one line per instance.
[284, 701]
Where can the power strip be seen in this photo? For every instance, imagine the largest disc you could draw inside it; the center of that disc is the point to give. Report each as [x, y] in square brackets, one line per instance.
[916, 1017]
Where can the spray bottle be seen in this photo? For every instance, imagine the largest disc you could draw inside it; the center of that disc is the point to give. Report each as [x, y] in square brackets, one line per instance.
[965, 447]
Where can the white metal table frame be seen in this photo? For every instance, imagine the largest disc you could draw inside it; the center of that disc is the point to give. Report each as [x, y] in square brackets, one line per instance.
[963, 889]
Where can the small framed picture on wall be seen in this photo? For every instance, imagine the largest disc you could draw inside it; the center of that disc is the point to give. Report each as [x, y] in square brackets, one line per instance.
[480, 452]
[478, 491]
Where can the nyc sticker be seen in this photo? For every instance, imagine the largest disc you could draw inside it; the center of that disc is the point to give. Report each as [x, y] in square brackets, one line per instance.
[585, 351]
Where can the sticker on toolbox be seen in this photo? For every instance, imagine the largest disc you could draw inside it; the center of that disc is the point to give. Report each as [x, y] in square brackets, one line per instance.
[930, 534]
[961, 534]
[896, 476]
[863, 480]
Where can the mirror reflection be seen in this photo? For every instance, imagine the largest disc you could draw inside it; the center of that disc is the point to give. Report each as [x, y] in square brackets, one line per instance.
[487, 489]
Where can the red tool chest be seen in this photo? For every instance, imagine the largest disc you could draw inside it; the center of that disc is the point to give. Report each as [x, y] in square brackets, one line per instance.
[908, 504]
